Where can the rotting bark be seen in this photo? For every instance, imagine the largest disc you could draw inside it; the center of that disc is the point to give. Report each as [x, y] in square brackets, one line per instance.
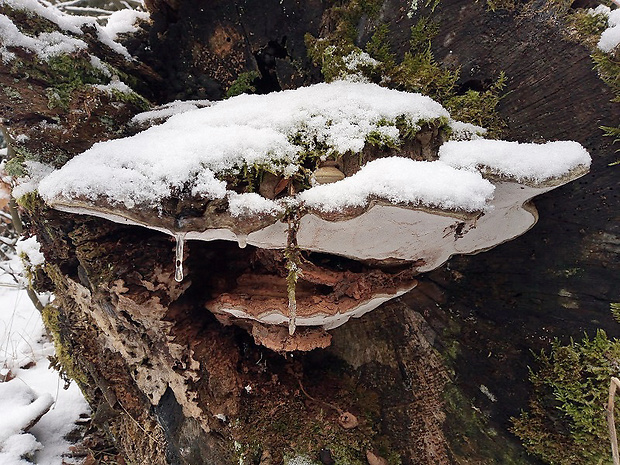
[174, 385]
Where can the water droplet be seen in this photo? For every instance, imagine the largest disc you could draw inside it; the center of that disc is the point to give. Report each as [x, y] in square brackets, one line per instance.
[178, 259]
[242, 240]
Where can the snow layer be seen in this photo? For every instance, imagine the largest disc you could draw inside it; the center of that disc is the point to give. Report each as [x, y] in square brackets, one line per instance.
[36, 171]
[50, 44]
[46, 45]
[523, 162]
[30, 249]
[66, 22]
[610, 38]
[123, 21]
[269, 130]
[194, 150]
[169, 109]
[401, 180]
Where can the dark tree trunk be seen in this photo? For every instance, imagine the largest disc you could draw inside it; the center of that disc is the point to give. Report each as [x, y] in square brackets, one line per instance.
[171, 384]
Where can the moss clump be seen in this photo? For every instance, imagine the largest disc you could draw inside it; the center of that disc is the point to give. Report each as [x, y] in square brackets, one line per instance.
[418, 71]
[478, 107]
[66, 74]
[63, 361]
[15, 166]
[342, 60]
[565, 423]
[244, 84]
[587, 26]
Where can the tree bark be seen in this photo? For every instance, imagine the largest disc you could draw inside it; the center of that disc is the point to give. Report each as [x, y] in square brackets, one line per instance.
[434, 376]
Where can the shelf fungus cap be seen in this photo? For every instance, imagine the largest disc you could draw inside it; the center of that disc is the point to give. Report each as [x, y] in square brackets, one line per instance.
[200, 175]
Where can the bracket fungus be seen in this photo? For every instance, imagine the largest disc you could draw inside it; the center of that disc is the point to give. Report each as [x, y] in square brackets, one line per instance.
[245, 169]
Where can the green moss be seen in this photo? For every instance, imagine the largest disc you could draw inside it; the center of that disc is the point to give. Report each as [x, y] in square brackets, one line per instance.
[244, 84]
[422, 33]
[479, 107]
[30, 201]
[608, 67]
[66, 74]
[495, 5]
[421, 73]
[15, 166]
[588, 26]
[614, 307]
[132, 98]
[63, 361]
[565, 423]
[379, 47]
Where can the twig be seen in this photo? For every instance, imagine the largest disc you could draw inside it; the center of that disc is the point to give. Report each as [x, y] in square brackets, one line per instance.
[336, 408]
[615, 383]
[156, 441]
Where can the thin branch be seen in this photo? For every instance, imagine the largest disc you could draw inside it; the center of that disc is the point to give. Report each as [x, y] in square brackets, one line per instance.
[614, 384]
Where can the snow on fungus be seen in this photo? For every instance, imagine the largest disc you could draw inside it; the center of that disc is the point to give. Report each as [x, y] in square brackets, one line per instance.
[398, 207]
[536, 163]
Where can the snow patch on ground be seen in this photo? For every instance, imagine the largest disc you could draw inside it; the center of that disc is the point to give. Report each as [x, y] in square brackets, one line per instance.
[32, 386]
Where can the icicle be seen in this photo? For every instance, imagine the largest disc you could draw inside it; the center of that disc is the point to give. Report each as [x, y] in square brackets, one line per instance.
[178, 260]
[242, 240]
[292, 307]
[292, 255]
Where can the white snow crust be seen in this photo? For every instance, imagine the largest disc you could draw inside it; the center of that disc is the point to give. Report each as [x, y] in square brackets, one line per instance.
[50, 44]
[169, 109]
[610, 38]
[401, 180]
[66, 22]
[36, 171]
[192, 151]
[123, 21]
[191, 148]
[521, 161]
[45, 45]
[31, 250]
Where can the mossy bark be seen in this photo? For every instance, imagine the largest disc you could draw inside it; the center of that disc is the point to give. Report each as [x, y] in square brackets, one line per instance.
[173, 385]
